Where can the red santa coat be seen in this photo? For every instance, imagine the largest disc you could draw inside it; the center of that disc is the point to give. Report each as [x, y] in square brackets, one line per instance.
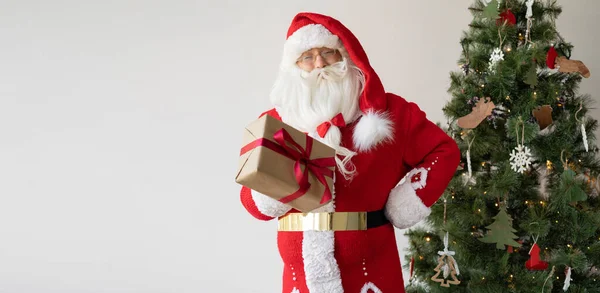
[404, 164]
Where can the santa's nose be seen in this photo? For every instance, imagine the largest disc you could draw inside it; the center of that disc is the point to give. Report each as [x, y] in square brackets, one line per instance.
[320, 62]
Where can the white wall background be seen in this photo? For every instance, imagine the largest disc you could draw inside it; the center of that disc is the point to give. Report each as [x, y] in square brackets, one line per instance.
[120, 124]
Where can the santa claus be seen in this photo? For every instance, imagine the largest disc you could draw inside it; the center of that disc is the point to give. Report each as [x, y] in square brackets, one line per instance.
[393, 164]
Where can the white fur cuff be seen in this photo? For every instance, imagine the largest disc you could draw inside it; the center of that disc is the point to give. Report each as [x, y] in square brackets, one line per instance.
[269, 206]
[404, 208]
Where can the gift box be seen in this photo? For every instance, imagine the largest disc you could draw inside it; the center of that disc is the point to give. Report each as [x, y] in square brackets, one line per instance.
[286, 164]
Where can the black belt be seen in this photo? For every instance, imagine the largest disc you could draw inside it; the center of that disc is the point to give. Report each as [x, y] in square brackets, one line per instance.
[376, 219]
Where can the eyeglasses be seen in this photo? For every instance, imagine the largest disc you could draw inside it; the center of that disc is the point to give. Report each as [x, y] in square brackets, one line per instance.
[329, 55]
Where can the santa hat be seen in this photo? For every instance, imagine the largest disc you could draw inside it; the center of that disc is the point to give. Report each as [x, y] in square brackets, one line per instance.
[312, 30]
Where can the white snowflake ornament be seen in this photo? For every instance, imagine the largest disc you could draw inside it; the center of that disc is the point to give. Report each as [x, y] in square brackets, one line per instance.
[497, 56]
[520, 159]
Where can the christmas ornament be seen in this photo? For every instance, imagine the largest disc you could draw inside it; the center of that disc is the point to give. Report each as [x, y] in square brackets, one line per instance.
[568, 186]
[529, 4]
[520, 158]
[491, 10]
[448, 265]
[584, 135]
[543, 115]
[507, 17]
[570, 66]
[481, 110]
[501, 231]
[531, 78]
[583, 132]
[551, 58]
[469, 162]
[497, 56]
[469, 169]
[529, 17]
[567, 279]
[534, 263]
[543, 179]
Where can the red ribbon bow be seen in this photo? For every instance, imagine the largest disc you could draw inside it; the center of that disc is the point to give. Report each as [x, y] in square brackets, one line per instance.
[338, 121]
[318, 167]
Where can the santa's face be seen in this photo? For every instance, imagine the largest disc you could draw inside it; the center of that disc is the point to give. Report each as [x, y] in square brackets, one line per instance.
[316, 90]
[323, 84]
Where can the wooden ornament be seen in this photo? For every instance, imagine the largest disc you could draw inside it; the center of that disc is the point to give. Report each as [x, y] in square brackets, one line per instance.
[543, 115]
[446, 263]
[569, 66]
[445, 260]
[501, 231]
[491, 10]
[481, 110]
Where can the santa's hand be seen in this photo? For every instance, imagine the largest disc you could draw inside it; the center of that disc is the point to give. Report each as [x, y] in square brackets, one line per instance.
[404, 208]
[269, 206]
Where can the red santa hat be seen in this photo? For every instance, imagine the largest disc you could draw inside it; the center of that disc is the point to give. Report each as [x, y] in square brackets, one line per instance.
[312, 30]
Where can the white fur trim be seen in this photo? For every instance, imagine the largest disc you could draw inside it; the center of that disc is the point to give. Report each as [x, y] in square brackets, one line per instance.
[370, 286]
[318, 251]
[269, 206]
[404, 208]
[320, 266]
[306, 38]
[372, 129]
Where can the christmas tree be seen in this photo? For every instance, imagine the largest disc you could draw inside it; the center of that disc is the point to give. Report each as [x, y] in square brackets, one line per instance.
[522, 213]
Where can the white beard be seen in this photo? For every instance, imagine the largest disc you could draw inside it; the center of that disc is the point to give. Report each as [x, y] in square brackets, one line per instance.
[306, 99]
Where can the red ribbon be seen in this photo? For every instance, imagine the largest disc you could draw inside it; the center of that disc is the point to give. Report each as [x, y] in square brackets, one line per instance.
[286, 146]
[338, 121]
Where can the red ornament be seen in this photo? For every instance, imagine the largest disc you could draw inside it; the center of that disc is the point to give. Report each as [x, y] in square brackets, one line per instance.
[534, 263]
[507, 16]
[551, 58]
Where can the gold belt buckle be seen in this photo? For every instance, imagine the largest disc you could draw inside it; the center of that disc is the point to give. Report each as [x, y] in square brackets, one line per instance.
[337, 221]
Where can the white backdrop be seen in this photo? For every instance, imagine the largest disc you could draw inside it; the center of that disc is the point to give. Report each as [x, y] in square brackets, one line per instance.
[120, 125]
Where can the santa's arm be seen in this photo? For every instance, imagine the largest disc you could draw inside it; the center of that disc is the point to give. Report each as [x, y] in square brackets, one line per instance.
[432, 157]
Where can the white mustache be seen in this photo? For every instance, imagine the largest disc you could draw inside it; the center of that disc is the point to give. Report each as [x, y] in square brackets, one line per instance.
[334, 72]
